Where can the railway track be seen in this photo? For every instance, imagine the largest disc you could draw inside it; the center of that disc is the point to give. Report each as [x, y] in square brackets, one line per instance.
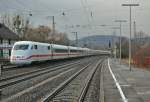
[19, 78]
[78, 86]
[13, 81]
[88, 83]
[93, 93]
[62, 86]
[10, 67]
[30, 70]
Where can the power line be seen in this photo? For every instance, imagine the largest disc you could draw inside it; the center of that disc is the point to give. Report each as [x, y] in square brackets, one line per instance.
[86, 12]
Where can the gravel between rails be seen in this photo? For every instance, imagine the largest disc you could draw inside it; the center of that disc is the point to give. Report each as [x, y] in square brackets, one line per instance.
[72, 91]
[31, 71]
[93, 93]
[11, 67]
[31, 95]
[28, 76]
[34, 71]
[31, 81]
[35, 81]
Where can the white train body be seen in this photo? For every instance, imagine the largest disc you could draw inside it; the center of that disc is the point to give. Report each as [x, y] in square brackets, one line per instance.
[26, 52]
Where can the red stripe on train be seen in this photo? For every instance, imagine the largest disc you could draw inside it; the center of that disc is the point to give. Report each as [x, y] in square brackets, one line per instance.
[47, 55]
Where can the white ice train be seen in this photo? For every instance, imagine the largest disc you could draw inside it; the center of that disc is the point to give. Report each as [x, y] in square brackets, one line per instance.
[26, 52]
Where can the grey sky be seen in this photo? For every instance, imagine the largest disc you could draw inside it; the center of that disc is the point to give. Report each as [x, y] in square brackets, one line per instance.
[78, 12]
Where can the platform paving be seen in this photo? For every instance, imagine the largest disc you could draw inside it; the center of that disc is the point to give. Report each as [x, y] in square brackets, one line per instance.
[135, 84]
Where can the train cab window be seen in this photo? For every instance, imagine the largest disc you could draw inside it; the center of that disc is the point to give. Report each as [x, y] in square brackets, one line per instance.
[48, 47]
[21, 47]
[35, 47]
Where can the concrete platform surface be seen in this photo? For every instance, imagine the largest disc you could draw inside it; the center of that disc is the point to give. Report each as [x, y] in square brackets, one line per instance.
[134, 84]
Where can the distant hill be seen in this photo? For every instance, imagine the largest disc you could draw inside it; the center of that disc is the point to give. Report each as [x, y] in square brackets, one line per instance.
[97, 41]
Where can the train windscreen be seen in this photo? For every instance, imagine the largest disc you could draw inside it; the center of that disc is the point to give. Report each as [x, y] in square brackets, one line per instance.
[21, 47]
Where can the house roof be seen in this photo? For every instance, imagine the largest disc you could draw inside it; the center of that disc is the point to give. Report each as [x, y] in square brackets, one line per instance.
[6, 33]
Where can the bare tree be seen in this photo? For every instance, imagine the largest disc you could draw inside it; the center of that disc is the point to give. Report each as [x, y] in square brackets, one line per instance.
[37, 34]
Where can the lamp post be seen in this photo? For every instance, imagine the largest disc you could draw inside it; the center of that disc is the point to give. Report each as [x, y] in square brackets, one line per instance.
[130, 5]
[120, 21]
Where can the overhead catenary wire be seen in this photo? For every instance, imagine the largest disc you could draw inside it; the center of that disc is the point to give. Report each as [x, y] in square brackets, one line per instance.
[91, 16]
[86, 12]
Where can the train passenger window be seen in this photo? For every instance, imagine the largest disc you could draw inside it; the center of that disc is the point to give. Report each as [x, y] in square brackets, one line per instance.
[73, 51]
[48, 47]
[61, 50]
[31, 47]
[21, 47]
[35, 47]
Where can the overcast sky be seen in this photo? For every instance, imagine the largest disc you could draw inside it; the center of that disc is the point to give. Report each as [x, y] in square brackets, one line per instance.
[83, 16]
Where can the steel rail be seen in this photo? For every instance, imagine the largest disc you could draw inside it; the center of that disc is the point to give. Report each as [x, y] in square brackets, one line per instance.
[30, 89]
[50, 96]
[35, 71]
[20, 66]
[89, 79]
[24, 78]
[13, 67]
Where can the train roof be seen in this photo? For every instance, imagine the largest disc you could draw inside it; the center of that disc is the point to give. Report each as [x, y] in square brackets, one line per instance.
[59, 46]
[73, 48]
[31, 42]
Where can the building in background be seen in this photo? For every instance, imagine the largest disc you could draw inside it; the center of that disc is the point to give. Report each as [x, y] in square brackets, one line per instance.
[7, 39]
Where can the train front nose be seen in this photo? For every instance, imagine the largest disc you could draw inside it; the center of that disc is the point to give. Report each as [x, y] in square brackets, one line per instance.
[18, 59]
[20, 53]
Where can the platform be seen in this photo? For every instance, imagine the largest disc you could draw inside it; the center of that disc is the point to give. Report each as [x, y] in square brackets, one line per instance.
[134, 84]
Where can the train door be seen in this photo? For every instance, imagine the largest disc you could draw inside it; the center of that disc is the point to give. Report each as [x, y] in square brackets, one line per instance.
[68, 51]
[52, 51]
[34, 54]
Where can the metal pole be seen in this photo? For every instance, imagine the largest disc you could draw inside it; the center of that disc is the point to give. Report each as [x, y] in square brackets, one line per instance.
[130, 5]
[130, 41]
[120, 21]
[76, 34]
[135, 35]
[134, 50]
[53, 28]
[114, 42]
[120, 42]
[76, 39]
